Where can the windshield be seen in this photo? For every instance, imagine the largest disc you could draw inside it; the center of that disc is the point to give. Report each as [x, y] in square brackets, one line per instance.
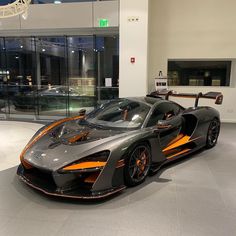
[122, 113]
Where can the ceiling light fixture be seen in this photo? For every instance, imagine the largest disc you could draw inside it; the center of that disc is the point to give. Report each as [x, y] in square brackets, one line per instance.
[57, 2]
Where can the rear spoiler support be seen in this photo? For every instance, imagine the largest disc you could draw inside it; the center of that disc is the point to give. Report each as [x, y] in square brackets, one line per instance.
[217, 96]
[197, 99]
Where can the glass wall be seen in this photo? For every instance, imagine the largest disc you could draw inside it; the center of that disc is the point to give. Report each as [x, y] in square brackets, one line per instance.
[4, 76]
[107, 51]
[49, 77]
[81, 72]
[52, 92]
[18, 63]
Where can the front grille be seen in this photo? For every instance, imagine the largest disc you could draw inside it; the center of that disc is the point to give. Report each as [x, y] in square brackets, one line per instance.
[41, 178]
[63, 183]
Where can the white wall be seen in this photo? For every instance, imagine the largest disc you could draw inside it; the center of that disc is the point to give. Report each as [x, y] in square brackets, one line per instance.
[190, 29]
[108, 10]
[55, 17]
[133, 43]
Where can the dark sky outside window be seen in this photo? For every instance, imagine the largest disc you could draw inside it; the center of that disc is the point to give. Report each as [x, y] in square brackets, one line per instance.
[5, 2]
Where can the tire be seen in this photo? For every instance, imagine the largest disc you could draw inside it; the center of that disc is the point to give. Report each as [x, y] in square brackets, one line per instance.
[137, 165]
[213, 133]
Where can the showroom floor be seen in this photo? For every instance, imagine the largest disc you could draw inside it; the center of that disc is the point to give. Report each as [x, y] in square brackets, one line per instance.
[194, 196]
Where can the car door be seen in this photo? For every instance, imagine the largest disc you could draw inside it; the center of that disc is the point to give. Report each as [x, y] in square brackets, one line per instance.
[167, 120]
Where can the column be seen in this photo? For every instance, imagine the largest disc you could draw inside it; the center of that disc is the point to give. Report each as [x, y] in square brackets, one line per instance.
[133, 48]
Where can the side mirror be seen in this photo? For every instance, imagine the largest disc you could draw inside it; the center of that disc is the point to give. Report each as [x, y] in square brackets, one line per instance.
[163, 124]
[82, 112]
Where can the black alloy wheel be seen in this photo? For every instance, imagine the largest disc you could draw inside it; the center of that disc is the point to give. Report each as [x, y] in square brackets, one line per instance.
[213, 133]
[137, 165]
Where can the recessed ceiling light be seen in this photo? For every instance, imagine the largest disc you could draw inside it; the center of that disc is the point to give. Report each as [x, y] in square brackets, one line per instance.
[43, 50]
[57, 2]
[21, 46]
[72, 51]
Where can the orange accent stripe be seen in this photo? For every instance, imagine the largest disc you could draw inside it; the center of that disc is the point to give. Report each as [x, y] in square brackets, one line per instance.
[120, 163]
[178, 143]
[176, 139]
[92, 178]
[80, 137]
[26, 164]
[86, 165]
[44, 132]
[179, 153]
[169, 152]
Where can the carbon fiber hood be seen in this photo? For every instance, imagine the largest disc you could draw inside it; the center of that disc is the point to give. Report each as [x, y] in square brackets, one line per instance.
[54, 151]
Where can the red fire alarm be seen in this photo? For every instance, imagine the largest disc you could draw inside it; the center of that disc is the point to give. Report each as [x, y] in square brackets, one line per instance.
[132, 60]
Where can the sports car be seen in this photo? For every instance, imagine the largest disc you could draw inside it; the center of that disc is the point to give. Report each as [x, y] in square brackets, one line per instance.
[51, 98]
[117, 145]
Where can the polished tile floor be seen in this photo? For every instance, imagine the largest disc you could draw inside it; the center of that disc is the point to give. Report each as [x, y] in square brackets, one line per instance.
[194, 196]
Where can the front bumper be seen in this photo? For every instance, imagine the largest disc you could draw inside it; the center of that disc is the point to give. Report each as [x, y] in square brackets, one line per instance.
[50, 188]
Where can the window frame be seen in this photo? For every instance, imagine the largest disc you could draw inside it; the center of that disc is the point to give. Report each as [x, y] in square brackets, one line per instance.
[200, 72]
[181, 110]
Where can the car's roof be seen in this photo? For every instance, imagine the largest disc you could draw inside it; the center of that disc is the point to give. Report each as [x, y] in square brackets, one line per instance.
[147, 100]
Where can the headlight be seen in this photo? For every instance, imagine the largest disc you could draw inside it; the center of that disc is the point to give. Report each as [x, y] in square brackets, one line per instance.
[91, 163]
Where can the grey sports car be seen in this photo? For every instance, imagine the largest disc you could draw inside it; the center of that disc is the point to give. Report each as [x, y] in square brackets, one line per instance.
[116, 145]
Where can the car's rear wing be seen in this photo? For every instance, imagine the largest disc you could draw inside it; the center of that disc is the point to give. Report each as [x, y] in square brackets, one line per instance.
[217, 96]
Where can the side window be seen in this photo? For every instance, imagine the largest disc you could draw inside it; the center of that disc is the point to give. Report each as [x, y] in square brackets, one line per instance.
[163, 111]
[158, 114]
[176, 108]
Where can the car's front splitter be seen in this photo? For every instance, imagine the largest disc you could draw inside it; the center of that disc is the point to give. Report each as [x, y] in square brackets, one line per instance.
[75, 194]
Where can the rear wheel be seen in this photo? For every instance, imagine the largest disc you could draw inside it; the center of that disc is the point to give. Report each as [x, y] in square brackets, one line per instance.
[137, 165]
[213, 133]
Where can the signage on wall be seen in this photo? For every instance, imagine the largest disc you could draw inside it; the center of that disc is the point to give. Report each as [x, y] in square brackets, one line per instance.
[161, 82]
[108, 82]
[103, 23]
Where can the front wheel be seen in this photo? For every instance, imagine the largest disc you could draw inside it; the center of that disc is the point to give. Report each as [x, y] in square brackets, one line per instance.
[137, 165]
[213, 133]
